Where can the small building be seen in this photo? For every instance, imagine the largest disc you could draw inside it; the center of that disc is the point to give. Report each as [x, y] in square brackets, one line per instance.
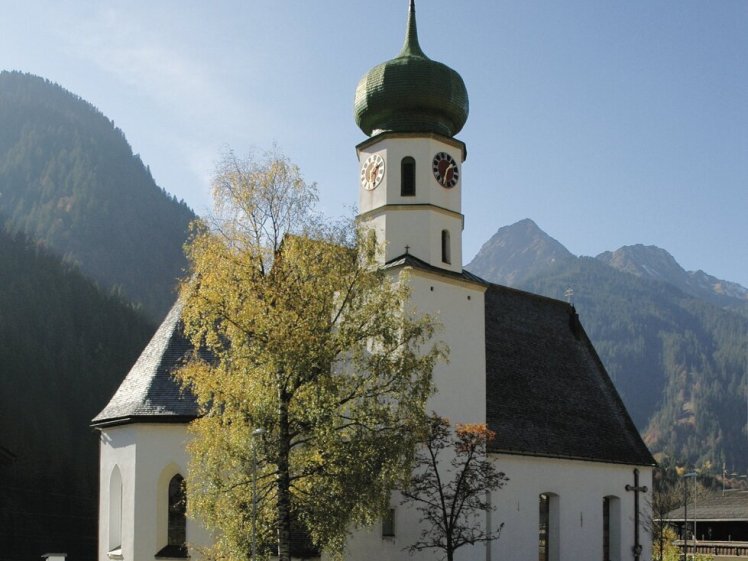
[717, 525]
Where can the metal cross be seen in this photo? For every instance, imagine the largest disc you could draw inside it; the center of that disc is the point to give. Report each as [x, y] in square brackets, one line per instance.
[636, 488]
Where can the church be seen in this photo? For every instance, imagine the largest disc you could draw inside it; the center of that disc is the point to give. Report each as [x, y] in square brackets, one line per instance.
[578, 471]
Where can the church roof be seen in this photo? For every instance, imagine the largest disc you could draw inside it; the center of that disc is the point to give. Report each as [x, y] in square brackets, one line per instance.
[547, 392]
[149, 392]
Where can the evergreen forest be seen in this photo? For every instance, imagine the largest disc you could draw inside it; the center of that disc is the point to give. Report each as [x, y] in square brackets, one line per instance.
[69, 179]
[64, 349]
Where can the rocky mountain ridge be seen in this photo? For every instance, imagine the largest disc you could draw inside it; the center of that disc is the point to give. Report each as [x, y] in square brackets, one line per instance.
[673, 342]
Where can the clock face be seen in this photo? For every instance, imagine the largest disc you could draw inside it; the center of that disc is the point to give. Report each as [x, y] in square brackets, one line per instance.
[445, 170]
[372, 172]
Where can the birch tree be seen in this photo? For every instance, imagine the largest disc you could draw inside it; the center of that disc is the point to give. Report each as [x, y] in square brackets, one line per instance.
[311, 344]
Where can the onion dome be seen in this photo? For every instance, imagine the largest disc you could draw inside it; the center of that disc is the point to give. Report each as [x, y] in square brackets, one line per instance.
[411, 93]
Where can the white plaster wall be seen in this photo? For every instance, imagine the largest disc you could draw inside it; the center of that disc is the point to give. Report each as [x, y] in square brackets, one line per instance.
[148, 455]
[420, 230]
[400, 221]
[580, 487]
[459, 308]
[460, 396]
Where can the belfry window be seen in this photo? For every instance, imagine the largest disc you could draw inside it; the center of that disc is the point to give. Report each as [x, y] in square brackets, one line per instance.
[408, 177]
[446, 258]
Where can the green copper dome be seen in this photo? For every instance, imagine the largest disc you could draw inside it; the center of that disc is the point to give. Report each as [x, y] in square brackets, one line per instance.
[411, 93]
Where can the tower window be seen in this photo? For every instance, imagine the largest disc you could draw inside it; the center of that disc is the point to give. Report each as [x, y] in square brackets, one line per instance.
[408, 177]
[446, 258]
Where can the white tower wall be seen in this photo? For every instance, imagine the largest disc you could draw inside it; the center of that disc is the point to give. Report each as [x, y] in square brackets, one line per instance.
[414, 222]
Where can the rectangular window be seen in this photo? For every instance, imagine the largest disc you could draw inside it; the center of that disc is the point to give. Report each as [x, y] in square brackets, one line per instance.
[549, 529]
[408, 177]
[606, 529]
[446, 258]
[388, 524]
[544, 513]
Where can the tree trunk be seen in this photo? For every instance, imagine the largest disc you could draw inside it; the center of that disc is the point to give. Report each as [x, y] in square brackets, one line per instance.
[284, 480]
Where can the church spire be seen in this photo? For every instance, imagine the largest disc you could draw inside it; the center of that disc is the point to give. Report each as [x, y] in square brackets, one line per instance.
[411, 93]
[410, 45]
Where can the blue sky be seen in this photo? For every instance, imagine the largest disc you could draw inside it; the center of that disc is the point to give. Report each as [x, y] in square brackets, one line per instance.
[608, 123]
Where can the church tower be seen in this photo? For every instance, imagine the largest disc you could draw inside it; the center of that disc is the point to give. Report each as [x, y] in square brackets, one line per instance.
[410, 195]
[410, 184]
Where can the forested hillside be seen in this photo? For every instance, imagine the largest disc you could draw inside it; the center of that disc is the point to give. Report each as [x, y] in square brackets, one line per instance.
[69, 179]
[680, 362]
[64, 348]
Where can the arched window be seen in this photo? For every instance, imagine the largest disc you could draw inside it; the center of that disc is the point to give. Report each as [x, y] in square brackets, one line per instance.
[115, 510]
[548, 527]
[445, 247]
[408, 177]
[177, 529]
[611, 529]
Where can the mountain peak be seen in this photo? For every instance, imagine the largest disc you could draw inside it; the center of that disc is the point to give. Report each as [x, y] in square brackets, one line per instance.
[652, 262]
[516, 252]
[647, 261]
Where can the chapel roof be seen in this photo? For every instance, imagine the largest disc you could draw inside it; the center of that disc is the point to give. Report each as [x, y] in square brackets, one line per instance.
[547, 392]
[149, 393]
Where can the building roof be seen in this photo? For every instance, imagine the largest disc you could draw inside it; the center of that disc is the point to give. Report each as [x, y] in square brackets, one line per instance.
[149, 392]
[732, 506]
[547, 392]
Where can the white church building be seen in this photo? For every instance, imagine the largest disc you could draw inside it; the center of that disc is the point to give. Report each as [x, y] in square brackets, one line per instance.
[519, 362]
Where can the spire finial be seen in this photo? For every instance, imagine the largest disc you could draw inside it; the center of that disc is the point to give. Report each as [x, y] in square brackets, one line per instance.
[411, 46]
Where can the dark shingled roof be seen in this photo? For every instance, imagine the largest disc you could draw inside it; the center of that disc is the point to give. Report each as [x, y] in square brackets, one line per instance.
[149, 392]
[547, 392]
[732, 506]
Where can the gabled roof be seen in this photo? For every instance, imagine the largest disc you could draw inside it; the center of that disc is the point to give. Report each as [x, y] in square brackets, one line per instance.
[732, 506]
[149, 393]
[547, 392]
